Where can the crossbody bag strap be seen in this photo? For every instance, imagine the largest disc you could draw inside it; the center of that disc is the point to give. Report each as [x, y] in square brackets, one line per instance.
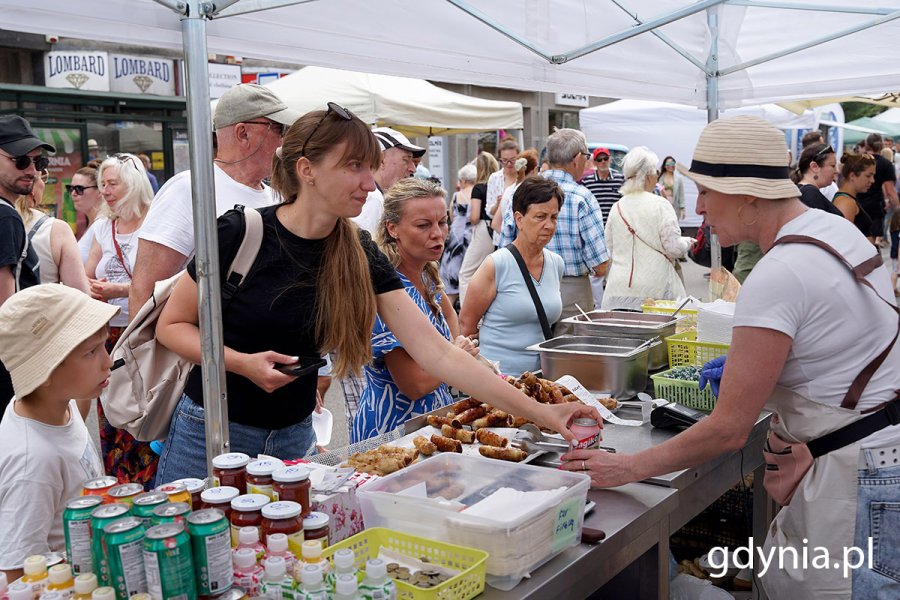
[246, 254]
[35, 228]
[119, 250]
[538, 306]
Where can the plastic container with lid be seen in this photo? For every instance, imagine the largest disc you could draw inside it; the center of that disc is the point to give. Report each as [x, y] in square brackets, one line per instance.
[195, 488]
[248, 537]
[346, 587]
[277, 545]
[246, 511]
[312, 583]
[259, 476]
[85, 584]
[344, 564]
[229, 469]
[60, 580]
[377, 583]
[276, 582]
[247, 572]
[104, 593]
[284, 517]
[219, 497]
[312, 555]
[36, 576]
[316, 527]
[292, 483]
[19, 591]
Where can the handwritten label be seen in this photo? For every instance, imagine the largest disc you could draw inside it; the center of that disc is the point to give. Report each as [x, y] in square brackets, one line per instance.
[568, 519]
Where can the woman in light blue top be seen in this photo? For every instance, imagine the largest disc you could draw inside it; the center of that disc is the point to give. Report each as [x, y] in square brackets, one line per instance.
[498, 295]
[411, 234]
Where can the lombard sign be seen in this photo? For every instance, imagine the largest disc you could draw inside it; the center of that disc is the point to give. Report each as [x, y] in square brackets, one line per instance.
[572, 100]
[141, 75]
[79, 70]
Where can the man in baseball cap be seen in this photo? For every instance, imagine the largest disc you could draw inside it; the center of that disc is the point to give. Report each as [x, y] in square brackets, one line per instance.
[396, 163]
[246, 102]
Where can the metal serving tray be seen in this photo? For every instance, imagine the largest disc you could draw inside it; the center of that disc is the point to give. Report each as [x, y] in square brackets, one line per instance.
[629, 325]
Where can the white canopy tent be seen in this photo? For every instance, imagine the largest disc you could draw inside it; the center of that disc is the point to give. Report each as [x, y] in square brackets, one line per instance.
[704, 53]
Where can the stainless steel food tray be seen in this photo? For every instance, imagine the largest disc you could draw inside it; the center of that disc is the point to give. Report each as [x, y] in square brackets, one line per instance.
[629, 325]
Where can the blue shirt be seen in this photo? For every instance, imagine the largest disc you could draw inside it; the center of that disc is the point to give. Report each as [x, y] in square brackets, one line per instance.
[579, 231]
[382, 407]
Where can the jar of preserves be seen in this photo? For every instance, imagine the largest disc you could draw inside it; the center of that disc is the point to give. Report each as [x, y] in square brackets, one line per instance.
[219, 497]
[229, 469]
[292, 483]
[194, 487]
[246, 511]
[259, 476]
[284, 517]
[316, 527]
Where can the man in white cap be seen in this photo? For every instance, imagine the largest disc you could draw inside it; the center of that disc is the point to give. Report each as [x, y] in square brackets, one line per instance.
[249, 122]
[396, 163]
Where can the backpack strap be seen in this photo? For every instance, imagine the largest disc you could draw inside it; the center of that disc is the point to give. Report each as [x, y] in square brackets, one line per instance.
[246, 254]
[31, 233]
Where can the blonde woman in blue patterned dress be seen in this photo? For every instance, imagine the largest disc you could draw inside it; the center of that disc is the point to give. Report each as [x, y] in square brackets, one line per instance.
[411, 234]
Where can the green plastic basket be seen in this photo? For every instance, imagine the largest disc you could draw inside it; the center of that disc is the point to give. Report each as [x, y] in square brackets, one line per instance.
[683, 392]
[667, 307]
[684, 349]
[468, 561]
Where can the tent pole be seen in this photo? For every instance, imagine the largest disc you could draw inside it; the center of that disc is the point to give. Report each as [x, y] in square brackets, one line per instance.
[209, 296]
[712, 113]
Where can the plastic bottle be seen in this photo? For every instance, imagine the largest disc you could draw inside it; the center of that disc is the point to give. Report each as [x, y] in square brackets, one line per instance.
[377, 585]
[276, 583]
[277, 545]
[19, 591]
[346, 588]
[344, 564]
[247, 572]
[36, 574]
[60, 578]
[104, 593]
[85, 584]
[248, 537]
[312, 584]
[312, 555]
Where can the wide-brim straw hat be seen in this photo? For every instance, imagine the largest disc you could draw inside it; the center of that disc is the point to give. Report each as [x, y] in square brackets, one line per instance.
[742, 155]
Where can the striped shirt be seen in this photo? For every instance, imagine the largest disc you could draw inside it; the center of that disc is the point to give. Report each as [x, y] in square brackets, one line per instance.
[606, 191]
[579, 229]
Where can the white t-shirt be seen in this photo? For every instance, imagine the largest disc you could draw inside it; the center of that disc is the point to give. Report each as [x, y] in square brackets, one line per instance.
[372, 210]
[84, 243]
[111, 267]
[170, 221]
[41, 467]
[829, 191]
[496, 186]
[837, 325]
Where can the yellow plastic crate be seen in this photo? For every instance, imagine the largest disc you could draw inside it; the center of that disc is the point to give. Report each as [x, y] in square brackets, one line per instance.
[683, 392]
[667, 307]
[684, 349]
[469, 561]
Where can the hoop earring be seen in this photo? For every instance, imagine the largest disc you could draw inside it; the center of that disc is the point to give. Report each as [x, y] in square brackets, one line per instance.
[740, 216]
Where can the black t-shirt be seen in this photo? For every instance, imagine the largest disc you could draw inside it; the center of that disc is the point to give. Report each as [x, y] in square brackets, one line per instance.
[275, 309]
[479, 192]
[813, 198]
[12, 240]
[874, 196]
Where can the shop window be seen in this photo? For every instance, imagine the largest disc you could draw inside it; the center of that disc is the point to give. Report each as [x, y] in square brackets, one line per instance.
[563, 119]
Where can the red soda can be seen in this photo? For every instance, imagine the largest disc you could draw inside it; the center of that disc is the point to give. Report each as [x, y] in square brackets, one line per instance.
[587, 434]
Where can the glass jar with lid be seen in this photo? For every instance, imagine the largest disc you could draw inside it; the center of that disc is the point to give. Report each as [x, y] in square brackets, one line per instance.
[246, 511]
[219, 497]
[259, 476]
[316, 527]
[284, 517]
[229, 469]
[292, 483]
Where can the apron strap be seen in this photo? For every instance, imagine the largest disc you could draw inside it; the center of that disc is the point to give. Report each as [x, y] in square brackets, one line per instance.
[860, 271]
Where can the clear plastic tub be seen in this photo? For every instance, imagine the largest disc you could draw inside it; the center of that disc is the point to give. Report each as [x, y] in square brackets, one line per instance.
[432, 498]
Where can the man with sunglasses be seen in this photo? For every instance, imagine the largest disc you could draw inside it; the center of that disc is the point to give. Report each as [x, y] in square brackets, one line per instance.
[21, 162]
[249, 122]
[603, 181]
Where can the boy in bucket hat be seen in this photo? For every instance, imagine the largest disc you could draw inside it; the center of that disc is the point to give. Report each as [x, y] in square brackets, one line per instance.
[52, 341]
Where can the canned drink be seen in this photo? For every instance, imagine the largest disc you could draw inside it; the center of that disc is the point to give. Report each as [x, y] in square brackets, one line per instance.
[100, 518]
[177, 492]
[125, 492]
[99, 487]
[171, 512]
[586, 432]
[195, 488]
[124, 541]
[169, 563]
[143, 504]
[211, 542]
[77, 529]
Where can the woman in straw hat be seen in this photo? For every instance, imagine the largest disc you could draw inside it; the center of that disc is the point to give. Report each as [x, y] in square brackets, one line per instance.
[814, 332]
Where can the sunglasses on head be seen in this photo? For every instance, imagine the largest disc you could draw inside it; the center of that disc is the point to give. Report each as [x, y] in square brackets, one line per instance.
[823, 153]
[124, 158]
[22, 162]
[77, 190]
[340, 111]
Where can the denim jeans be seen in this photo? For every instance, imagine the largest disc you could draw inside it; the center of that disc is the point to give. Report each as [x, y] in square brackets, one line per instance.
[184, 454]
[878, 517]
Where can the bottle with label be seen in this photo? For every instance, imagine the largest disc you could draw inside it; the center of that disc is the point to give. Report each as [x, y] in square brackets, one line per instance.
[60, 580]
[277, 545]
[276, 583]
[247, 572]
[312, 555]
[377, 585]
[248, 537]
[346, 587]
[36, 574]
[85, 584]
[20, 591]
[312, 584]
[344, 564]
[104, 593]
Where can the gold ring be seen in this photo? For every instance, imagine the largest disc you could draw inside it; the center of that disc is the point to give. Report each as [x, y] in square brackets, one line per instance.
[583, 466]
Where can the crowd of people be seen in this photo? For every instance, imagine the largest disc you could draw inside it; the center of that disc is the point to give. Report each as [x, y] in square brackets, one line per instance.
[409, 292]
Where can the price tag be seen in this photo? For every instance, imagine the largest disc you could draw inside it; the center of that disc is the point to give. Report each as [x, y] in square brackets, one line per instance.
[567, 519]
[588, 398]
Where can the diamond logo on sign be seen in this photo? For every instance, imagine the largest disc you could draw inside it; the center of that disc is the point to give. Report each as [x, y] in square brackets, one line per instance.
[143, 82]
[77, 79]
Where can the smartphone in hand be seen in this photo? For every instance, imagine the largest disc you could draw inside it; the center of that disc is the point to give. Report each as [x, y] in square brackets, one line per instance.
[304, 366]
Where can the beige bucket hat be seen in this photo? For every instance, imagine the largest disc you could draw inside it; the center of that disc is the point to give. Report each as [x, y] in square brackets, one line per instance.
[742, 155]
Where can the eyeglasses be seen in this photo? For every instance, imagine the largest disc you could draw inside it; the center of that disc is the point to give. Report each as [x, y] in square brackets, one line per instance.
[278, 128]
[670, 163]
[506, 161]
[583, 153]
[602, 158]
[340, 111]
[77, 190]
[22, 162]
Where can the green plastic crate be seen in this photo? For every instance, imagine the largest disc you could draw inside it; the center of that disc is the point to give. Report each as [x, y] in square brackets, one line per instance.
[683, 392]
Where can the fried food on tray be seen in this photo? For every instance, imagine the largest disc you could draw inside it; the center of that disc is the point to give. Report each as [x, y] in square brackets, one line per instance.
[609, 402]
[495, 418]
[490, 438]
[463, 435]
[464, 405]
[469, 415]
[424, 445]
[445, 444]
[382, 460]
[437, 422]
[510, 454]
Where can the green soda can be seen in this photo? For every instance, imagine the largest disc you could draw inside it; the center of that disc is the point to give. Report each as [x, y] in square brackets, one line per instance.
[77, 528]
[100, 518]
[124, 541]
[171, 512]
[169, 563]
[211, 542]
[143, 504]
